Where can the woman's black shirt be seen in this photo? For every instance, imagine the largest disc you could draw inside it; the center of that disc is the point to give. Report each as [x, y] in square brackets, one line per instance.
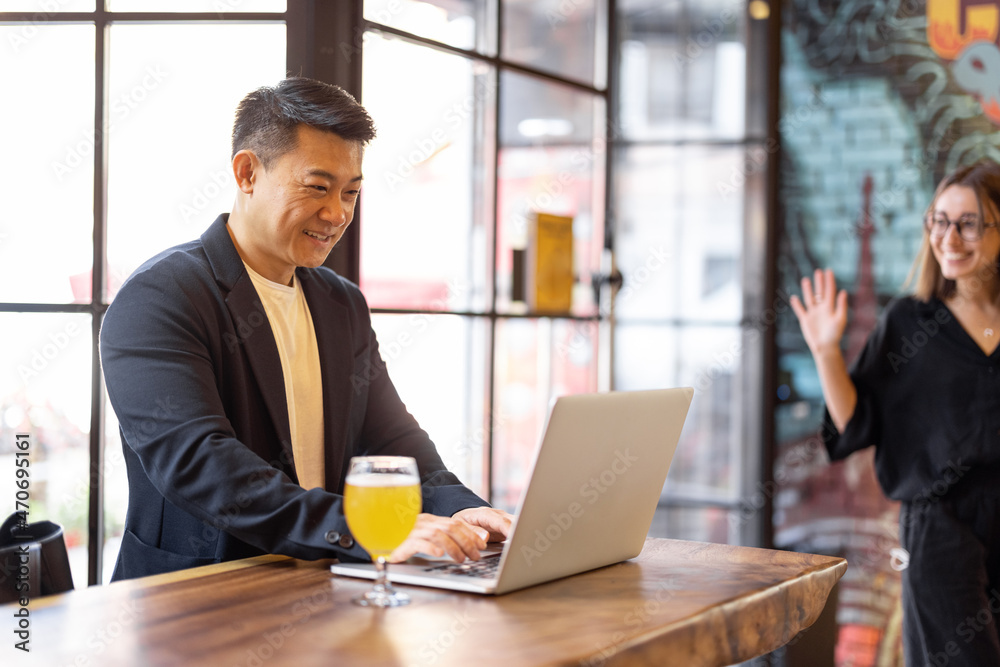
[929, 400]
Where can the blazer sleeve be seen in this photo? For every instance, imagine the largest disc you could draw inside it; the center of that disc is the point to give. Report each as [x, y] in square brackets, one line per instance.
[161, 347]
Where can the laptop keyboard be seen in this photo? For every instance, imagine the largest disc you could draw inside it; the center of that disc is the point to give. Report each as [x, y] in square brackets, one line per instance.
[482, 569]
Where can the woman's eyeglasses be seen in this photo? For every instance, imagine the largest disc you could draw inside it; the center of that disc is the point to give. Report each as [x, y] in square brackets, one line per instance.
[970, 227]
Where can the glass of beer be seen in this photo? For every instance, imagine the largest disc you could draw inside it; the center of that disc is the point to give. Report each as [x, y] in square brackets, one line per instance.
[381, 503]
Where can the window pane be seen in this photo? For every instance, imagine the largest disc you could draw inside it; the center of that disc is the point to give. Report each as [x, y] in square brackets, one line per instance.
[213, 6]
[679, 236]
[552, 160]
[467, 24]
[683, 69]
[437, 363]
[536, 360]
[701, 524]
[428, 179]
[47, 212]
[706, 464]
[565, 38]
[170, 120]
[45, 393]
[43, 7]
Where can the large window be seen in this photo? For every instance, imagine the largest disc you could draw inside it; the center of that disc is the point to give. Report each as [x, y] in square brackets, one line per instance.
[117, 148]
[491, 112]
[689, 243]
[628, 117]
[479, 130]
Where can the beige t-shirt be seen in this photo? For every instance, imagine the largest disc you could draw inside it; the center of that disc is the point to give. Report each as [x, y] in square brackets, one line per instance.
[292, 326]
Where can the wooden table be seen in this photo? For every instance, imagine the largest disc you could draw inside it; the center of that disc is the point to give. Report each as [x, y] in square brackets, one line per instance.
[678, 603]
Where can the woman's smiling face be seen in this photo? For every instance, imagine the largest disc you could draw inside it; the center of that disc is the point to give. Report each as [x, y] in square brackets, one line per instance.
[961, 259]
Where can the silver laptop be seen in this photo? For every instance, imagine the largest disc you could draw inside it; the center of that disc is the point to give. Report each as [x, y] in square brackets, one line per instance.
[594, 486]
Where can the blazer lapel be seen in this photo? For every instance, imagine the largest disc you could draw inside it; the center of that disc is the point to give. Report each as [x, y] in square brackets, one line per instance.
[253, 331]
[336, 359]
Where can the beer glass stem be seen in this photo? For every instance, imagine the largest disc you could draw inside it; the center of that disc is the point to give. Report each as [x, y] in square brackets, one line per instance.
[381, 576]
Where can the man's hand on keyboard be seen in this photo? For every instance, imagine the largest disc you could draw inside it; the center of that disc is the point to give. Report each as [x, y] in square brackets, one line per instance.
[461, 536]
[440, 535]
[496, 521]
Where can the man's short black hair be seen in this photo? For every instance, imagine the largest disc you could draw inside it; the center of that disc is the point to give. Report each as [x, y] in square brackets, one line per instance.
[267, 118]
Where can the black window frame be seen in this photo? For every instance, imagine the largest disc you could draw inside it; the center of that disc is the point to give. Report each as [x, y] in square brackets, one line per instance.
[325, 41]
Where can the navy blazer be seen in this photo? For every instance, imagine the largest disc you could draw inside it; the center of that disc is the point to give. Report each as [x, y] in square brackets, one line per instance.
[193, 374]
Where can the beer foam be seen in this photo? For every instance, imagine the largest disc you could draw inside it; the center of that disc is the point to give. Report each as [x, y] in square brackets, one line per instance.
[378, 479]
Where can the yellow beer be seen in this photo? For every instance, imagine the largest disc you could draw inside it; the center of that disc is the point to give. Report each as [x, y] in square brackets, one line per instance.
[381, 510]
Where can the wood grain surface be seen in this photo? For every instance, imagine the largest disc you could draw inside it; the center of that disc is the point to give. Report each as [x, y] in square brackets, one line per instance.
[677, 603]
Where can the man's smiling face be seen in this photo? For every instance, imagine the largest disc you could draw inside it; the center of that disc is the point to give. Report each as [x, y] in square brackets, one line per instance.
[299, 208]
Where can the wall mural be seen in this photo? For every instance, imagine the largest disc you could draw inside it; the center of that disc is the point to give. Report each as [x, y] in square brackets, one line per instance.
[879, 99]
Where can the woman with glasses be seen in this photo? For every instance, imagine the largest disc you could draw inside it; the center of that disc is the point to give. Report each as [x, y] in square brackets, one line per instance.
[925, 391]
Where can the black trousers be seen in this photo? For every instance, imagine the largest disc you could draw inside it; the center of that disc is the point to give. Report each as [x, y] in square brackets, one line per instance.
[951, 588]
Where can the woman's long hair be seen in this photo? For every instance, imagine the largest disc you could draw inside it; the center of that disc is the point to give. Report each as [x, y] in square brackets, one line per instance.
[983, 178]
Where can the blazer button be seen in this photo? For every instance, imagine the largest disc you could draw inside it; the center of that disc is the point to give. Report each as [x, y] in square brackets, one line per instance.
[346, 541]
[332, 537]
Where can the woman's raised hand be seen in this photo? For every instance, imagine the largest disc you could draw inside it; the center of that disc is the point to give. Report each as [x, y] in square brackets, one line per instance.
[822, 312]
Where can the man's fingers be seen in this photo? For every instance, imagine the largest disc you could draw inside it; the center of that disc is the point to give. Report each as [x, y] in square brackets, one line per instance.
[404, 551]
[437, 536]
[460, 537]
[496, 523]
[416, 545]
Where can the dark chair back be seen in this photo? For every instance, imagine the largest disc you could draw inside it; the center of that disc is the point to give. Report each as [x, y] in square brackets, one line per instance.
[33, 560]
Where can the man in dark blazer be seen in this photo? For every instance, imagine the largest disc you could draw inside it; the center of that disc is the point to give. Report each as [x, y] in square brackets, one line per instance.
[219, 412]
